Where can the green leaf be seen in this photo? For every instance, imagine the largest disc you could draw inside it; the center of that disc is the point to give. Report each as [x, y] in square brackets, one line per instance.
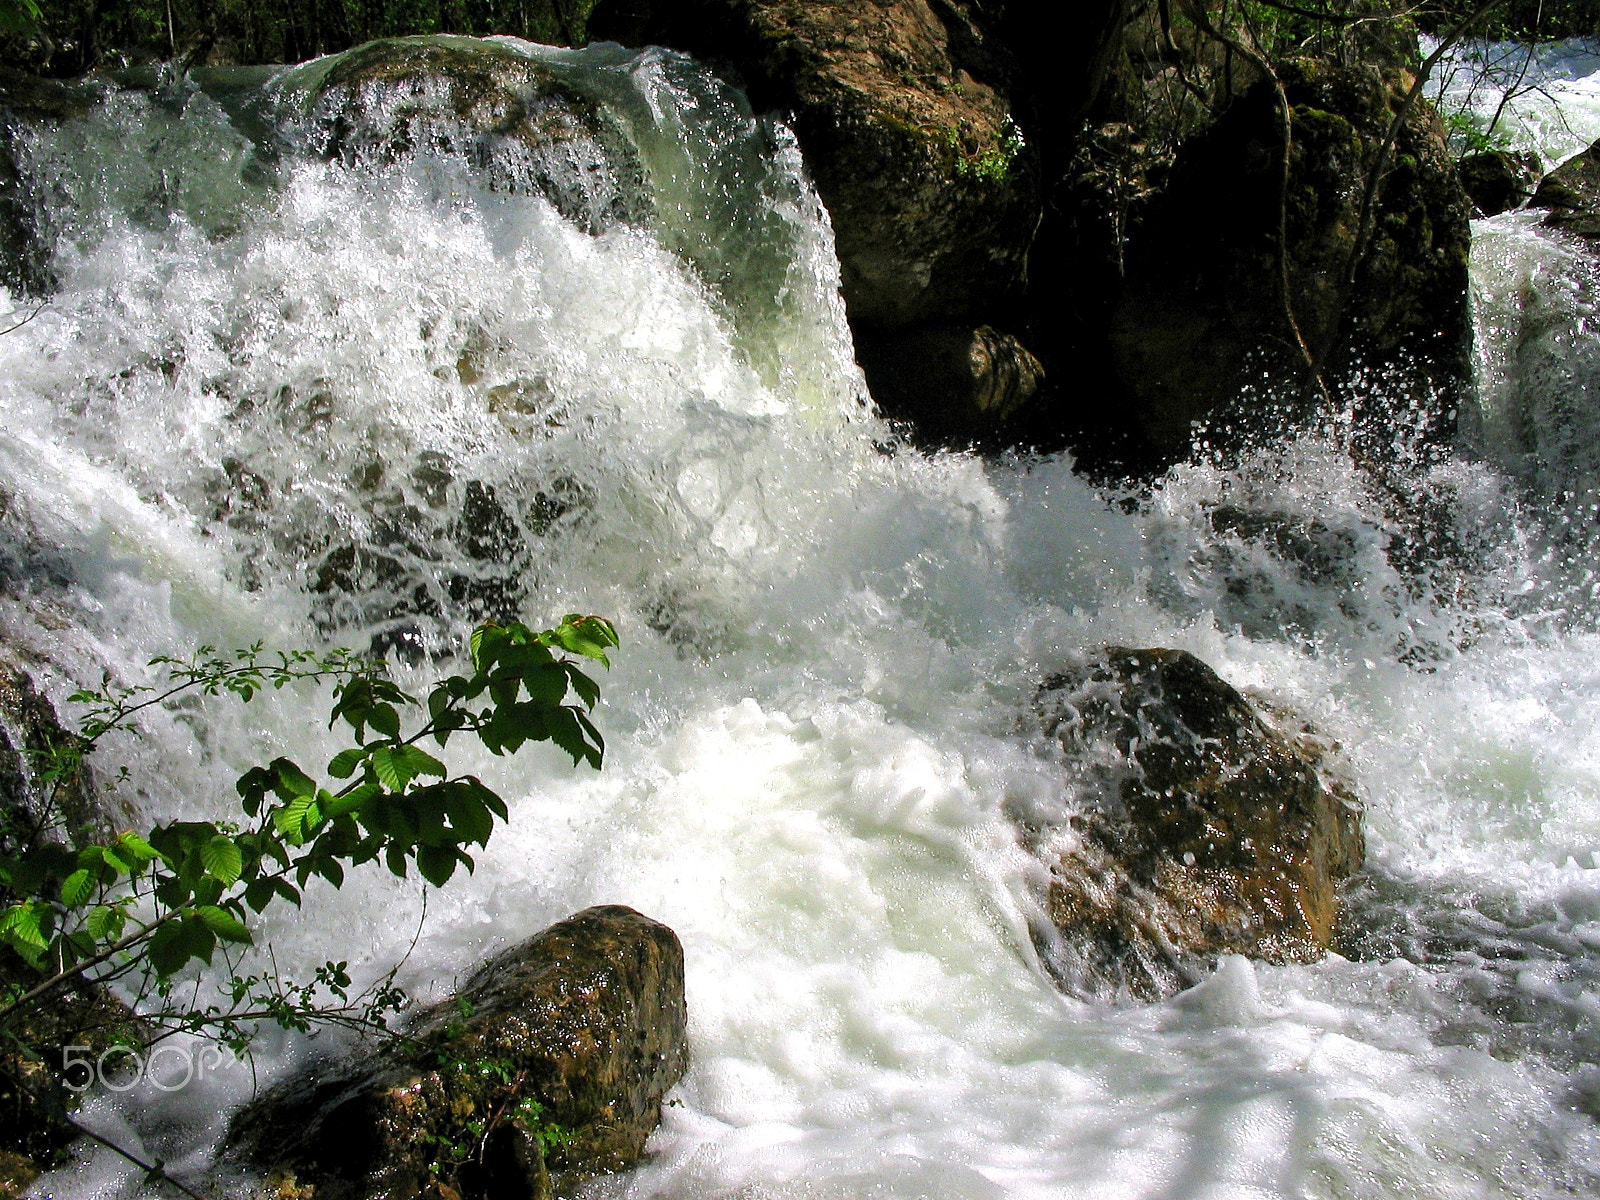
[224, 924]
[135, 846]
[168, 949]
[350, 801]
[20, 926]
[77, 888]
[419, 762]
[391, 769]
[296, 818]
[385, 718]
[222, 860]
[437, 864]
[259, 894]
[105, 922]
[345, 762]
[587, 689]
[470, 818]
[292, 781]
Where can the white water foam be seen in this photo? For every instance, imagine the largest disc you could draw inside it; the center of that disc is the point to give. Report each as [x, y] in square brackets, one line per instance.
[819, 722]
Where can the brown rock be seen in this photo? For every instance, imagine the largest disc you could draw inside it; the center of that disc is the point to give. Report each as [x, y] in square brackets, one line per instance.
[1213, 831]
[902, 112]
[548, 1068]
[520, 126]
[952, 381]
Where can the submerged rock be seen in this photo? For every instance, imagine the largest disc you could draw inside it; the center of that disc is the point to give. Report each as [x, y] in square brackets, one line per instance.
[1499, 180]
[547, 1069]
[1212, 830]
[1572, 194]
[512, 118]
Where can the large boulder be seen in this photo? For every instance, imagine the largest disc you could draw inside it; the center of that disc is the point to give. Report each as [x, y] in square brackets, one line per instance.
[1167, 283]
[1571, 193]
[547, 1069]
[904, 112]
[1209, 828]
[901, 112]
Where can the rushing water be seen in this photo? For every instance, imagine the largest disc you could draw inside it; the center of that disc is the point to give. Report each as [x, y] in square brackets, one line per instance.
[374, 400]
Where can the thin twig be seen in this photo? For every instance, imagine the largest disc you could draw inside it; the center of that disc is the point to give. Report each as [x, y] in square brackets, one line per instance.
[24, 321]
[152, 1171]
[1254, 55]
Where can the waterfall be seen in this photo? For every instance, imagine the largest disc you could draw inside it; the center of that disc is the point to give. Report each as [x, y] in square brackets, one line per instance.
[324, 383]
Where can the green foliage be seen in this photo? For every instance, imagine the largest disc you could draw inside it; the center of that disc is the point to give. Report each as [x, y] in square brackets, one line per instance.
[1468, 136]
[496, 1090]
[19, 16]
[1521, 20]
[85, 33]
[147, 907]
[992, 163]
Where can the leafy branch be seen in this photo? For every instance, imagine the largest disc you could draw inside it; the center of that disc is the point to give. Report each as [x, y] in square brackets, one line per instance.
[150, 905]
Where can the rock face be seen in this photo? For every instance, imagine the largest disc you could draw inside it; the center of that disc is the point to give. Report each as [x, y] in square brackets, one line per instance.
[903, 110]
[1174, 267]
[29, 725]
[1499, 180]
[34, 1106]
[1213, 831]
[547, 1069]
[1572, 194]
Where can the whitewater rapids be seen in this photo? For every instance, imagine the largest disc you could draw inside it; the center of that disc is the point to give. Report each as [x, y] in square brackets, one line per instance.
[327, 404]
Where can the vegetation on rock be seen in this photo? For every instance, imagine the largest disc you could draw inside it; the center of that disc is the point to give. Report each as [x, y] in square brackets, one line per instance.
[547, 1068]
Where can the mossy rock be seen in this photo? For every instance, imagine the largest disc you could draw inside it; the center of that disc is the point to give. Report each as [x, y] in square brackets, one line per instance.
[909, 131]
[1571, 193]
[548, 1068]
[1182, 288]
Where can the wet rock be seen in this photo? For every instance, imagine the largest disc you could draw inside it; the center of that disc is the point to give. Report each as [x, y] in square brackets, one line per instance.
[902, 113]
[70, 812]
[35, 1129]
[35, 1104]
[25, 255]
[1499, 180]
[547, 1069]
[951, 381]
[1212, 829]
[515, 122]
[1572, 194]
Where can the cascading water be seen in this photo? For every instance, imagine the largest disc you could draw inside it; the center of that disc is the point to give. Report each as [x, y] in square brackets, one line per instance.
[315, 393]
